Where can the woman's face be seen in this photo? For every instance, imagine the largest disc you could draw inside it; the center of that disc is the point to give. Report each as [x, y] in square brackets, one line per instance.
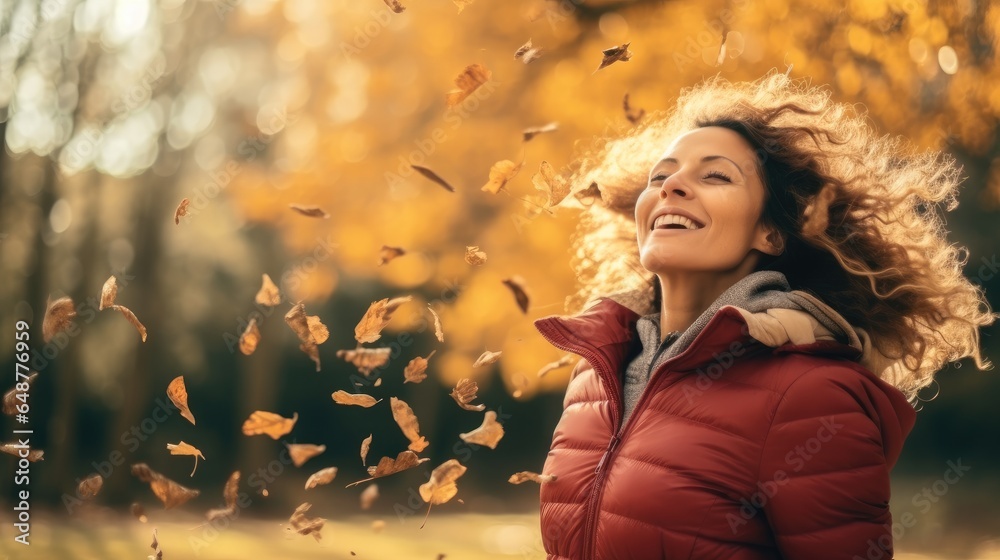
[701, 210]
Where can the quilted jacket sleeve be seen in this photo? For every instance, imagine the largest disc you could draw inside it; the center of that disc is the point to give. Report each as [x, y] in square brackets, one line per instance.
[824, 478]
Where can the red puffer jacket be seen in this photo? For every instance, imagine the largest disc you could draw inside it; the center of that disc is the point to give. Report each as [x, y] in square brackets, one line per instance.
[736, 450]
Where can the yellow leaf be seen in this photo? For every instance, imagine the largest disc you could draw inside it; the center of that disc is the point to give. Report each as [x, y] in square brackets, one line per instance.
[501, 172]
[186, 449]
[302, 452]
[489, 433]
[416, 370]
[524, 476]
[468, 81]
[357, 399]
[178, 395]
[407, 420]
[268, 423]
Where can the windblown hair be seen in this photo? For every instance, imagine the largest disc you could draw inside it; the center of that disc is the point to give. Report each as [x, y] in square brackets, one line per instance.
[859, 213]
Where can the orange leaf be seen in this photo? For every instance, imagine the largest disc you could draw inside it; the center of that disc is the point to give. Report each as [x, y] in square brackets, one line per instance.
[416, 370]
[465, 392]
[488, 434]
[178, 395]
[268, 423]
[268, 294]
[407, 420]
[357, 399]
[58, 316]
[468, 81]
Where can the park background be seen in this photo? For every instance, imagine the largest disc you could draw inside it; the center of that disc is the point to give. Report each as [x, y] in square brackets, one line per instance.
[112, 112]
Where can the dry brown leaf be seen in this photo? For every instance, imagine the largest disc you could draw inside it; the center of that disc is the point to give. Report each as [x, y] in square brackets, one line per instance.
[309, 329]
[527, 53]
[268, 294]
[181, 211]
[462, 4]
[395, 6]
[438, 331]
[633, 115]
[489, 433]
[555, 187]
[379, 314]
[468, 81]
[58, 316]
[426, 172]
[618, 53]
[311, 211]
[589, 195]
[230, 493]
[530, 133]
[501, 172]
[442, 487]
[304, 525]
[407, 420]
[524, 476]
[487, 358]
[465, 392]
[158, 554]
[365, 446]
[178, 395]
[416, 370]
[90, 486]
[132, 319]
[474, 256]
[268, 423]
[186, 449]
[11, 399]
[517, 287]
[368, 496]
[302, 452]
[356, 399]
[138, 511]
[168, 491]
[320, 477]
[15, 449]
[560, 363]
[366, 359]
[250, 337]
[109, 292]
[388, 465]
[388, 253]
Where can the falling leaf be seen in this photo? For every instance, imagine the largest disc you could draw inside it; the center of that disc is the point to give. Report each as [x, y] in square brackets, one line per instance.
[407, 420]
[524, 476]
[395, 6]
[305, 526]
[388, 465]
[560, 363]
[441, 487]
[320, 477]
[530, 133]
[438, 331]
[90, 486]
[488, 434]
[487, 358]
[416, 370]
[311, 211]
[379, 314]
[230, 493]
[555, 187]
[58, 316]
[186, 449]
[11, 399]
[474, 256]
[15, 448]
[366, 359]
[378, 525]
[520, 383]
[109, 291]
[182, 210]
[178, 395]
[302, 452]
[722, 49]
[516, 285]
[501, 172]
[468, 81]
[465, 392]
[268, 294]
[433, 177]
[527, 53]
[365, 446]
[633, 116]
[132, 319]
[462, 4]
[138, 511]
[357, 399]
[250, 337]
[615, 54]
[388, 253]
[268, 423]
[378, 382]
[309, 329]
[156, 548]
[168, 491]
[368, 496]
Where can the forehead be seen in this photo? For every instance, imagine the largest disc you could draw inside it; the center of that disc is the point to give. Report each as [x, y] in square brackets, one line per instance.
[712, 140]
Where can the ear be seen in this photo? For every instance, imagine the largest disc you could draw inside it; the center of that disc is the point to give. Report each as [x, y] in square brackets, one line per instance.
[768, 240]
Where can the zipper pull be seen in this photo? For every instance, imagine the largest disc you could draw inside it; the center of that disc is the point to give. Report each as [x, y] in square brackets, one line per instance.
[611, 447]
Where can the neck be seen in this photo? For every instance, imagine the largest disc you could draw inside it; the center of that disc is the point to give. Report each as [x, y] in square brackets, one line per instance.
[686, 295]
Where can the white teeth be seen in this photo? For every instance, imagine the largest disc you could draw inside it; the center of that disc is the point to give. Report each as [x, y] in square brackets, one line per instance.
[668, 219]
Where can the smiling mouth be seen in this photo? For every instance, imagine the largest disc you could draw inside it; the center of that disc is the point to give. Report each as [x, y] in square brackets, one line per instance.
[675, 221]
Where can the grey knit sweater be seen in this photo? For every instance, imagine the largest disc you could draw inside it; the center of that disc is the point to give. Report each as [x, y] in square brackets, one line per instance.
[756, 292]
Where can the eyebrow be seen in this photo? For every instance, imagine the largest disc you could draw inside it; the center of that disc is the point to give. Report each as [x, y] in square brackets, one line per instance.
[704, 159]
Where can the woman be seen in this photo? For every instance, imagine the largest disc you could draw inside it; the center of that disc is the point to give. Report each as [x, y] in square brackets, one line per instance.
[748, 396]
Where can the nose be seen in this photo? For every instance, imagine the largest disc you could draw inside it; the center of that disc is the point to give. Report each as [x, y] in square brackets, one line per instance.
[674, 185]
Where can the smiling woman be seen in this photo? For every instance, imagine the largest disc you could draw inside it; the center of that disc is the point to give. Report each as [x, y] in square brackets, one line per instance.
[762, 302]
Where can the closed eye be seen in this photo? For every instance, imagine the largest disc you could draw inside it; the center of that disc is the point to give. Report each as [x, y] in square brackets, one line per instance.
[716, 174]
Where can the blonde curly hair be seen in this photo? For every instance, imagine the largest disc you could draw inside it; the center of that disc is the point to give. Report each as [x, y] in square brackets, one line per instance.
[859, 213]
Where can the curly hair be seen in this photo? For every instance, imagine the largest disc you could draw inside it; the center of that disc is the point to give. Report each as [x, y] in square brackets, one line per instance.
[859, 213]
